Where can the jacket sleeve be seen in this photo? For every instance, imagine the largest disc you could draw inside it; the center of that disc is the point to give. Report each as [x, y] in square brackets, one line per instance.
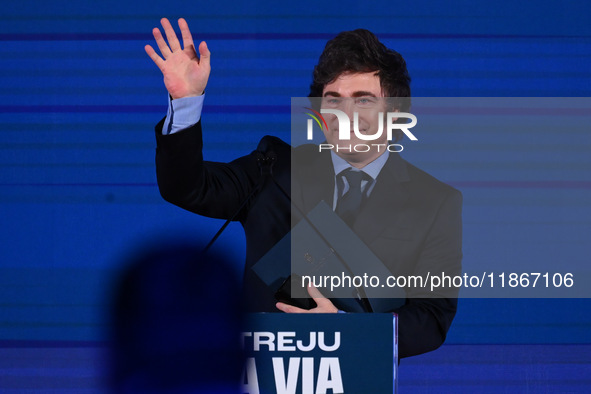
[207, 188]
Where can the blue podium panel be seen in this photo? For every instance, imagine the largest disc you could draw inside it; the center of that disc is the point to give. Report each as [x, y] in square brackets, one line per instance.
[320, 353]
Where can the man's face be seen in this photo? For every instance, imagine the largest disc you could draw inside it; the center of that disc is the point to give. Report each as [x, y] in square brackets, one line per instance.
[350, 93]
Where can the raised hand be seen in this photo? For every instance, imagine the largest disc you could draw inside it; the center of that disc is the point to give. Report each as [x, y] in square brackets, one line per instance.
[185, 73]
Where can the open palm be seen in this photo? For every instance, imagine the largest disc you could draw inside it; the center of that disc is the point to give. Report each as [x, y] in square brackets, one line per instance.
[185, 73]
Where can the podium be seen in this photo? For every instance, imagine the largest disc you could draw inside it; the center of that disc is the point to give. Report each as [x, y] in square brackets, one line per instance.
[320, 353]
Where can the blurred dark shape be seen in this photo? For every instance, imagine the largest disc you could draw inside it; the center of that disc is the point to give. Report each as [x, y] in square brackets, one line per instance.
[177, 318]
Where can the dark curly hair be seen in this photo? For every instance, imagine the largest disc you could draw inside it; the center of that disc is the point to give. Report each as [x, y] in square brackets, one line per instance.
[360, 51]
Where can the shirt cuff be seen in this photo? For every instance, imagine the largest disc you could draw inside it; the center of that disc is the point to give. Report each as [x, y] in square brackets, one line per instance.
[182, 113]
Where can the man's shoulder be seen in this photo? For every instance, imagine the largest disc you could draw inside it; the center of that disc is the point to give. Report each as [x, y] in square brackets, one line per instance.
[270, 142]
[273, 147]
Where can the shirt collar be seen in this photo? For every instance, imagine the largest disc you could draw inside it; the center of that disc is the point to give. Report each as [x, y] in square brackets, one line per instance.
[372, 169]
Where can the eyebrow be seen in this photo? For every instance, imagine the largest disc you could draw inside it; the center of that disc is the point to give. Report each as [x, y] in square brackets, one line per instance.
[360, 93]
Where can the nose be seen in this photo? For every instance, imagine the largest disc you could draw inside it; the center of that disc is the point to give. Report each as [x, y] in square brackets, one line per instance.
[349, 108]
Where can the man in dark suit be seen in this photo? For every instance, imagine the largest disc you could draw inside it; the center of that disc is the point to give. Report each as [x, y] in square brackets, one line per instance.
[410, 220]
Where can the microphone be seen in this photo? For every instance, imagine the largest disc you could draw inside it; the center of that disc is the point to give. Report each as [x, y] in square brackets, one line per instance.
[266, 160]
[266, 156]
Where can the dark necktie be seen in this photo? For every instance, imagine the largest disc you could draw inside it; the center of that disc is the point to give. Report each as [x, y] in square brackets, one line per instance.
[348, 205]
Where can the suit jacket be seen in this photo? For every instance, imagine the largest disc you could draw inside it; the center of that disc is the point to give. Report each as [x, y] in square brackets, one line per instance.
[418, 231]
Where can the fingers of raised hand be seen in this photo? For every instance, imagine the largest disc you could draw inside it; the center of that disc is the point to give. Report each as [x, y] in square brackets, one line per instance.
[204, 54]
[186, 34]
[164, 50]
[154, 56]
[170, 35]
